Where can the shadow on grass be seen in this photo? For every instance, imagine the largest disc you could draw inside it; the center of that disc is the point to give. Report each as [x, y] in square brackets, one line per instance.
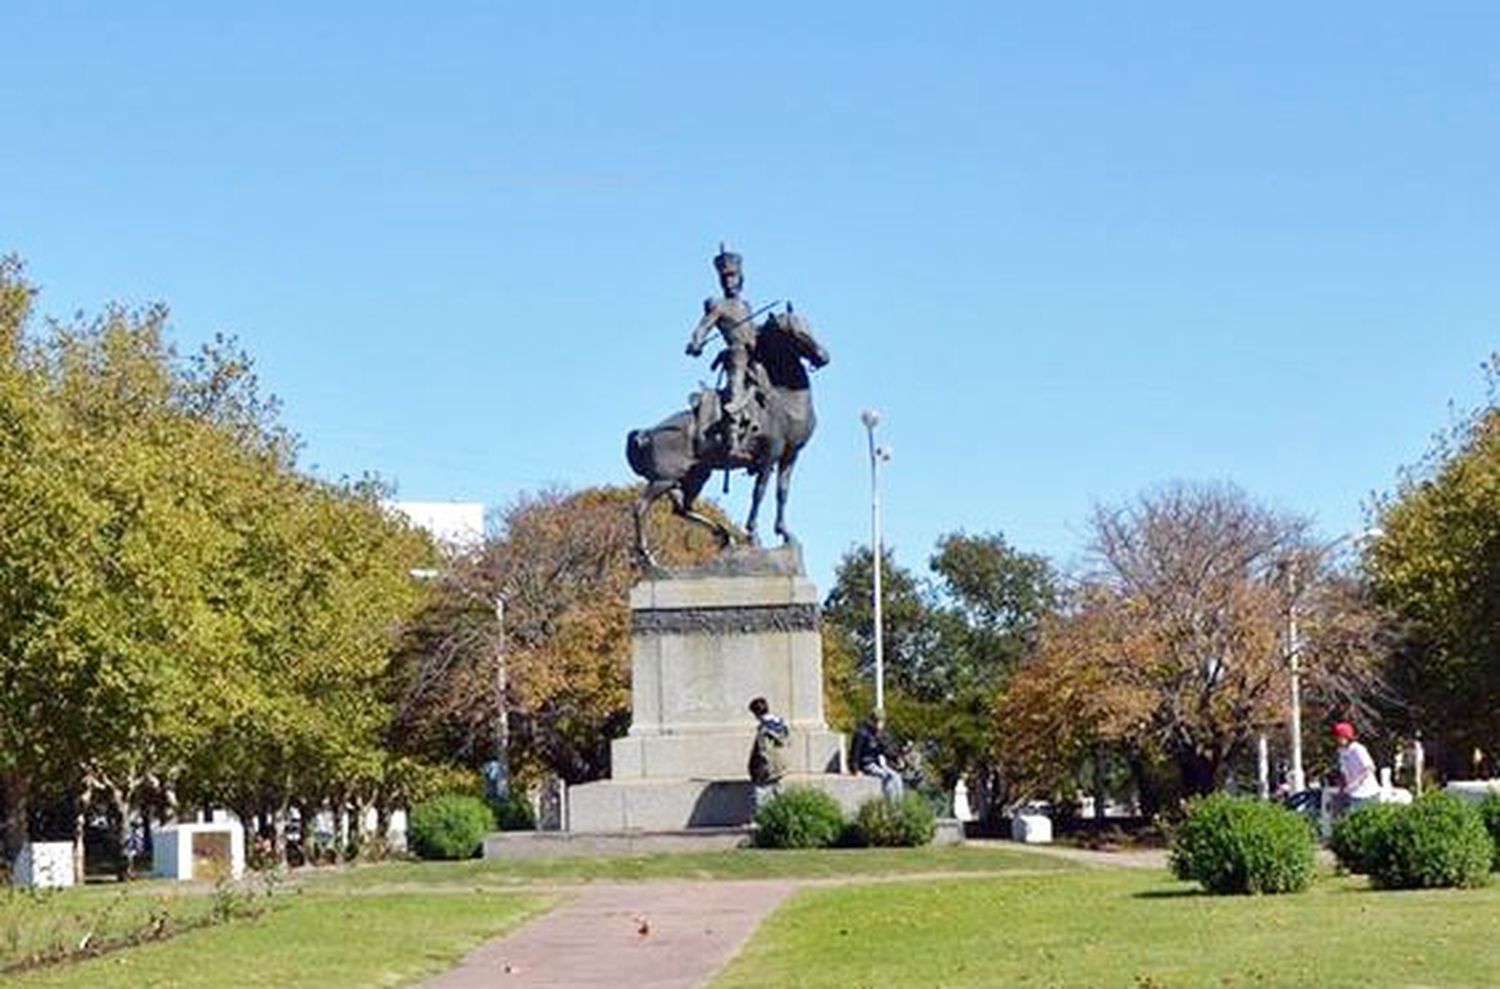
[1167, 894]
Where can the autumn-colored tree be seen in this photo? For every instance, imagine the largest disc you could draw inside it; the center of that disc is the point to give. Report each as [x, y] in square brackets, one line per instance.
[1076, 697]
[1175, 649]
[562, 563]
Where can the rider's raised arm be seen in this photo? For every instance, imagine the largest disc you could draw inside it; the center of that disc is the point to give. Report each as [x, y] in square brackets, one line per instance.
[704, 328]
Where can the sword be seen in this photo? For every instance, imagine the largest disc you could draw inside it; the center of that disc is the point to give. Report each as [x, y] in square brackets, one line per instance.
[750, 318]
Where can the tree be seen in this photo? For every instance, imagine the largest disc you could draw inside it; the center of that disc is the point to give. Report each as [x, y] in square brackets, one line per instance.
[995, 598]
[1173, 647]
[1437, 569]
[951, 642]
[563, 562]
[180, 609]
[910, 650]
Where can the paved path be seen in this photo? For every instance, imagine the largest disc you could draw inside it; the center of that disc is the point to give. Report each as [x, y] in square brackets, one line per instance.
[642, 935]
[674, 935]
[1125, 858]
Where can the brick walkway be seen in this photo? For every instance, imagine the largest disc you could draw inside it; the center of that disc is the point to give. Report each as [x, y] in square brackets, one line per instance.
[674, 935]
[642, 935]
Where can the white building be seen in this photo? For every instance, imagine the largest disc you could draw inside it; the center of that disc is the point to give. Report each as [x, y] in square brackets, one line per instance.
[457, 525]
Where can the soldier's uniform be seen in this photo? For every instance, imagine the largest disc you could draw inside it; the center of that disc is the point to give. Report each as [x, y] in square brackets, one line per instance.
[732, 316]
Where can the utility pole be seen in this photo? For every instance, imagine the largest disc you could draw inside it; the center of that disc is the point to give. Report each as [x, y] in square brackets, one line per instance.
[502, 714]
[1297, 778]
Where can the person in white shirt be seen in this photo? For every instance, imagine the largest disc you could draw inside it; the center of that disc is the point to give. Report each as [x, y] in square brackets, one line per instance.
[1361, 784]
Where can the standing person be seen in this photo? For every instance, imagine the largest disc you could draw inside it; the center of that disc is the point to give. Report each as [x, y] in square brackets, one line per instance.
[767, 752]
[1361, 784]
[871, 755]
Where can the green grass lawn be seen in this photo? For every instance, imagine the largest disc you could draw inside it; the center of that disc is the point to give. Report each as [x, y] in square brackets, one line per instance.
[1133, 929]
[37, 923]
[384, 924]
[746, 863]
[324, 940]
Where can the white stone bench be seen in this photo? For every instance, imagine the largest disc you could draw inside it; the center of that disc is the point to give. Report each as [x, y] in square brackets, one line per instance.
[44, 865]
[1032, 829]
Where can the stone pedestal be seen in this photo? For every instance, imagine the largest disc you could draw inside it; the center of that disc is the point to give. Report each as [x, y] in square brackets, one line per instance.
[704, 641]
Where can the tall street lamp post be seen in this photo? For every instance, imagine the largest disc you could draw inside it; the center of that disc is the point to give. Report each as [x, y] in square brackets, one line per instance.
[878, 455]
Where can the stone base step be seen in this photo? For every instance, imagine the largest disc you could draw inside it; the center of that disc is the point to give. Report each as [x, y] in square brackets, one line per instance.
[675, 805]
[623, 844]
[565, 844]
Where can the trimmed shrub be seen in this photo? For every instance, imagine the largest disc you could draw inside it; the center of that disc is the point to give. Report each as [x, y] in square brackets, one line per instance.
[449, 827]
[513, 812]
[799, 817]
[1234, 845]
[883, 824]
[1439, 840]
[1489, 812]
[1355, 837]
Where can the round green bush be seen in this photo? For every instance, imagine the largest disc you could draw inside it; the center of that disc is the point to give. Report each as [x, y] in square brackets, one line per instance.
[1439, 840]
[1489, 812]
[449, 827]
[883, 824]
[1355, 837]
[513, 812]
[1234, 845]
[799, 817]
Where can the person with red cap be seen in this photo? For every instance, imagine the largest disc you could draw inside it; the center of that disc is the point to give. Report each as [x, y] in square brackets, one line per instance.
[1361, 785]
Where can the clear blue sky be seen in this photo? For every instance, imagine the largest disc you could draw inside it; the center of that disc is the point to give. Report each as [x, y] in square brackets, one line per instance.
[1070, 251]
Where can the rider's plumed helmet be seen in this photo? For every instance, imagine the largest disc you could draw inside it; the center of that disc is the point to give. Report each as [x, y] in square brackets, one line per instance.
[726, 260]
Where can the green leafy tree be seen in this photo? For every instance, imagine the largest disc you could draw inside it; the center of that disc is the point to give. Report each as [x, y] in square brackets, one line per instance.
[181, 612]
[951, 642]
[1437, 569]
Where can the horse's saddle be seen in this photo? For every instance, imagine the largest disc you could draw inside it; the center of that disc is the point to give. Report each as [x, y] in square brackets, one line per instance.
[719, 434]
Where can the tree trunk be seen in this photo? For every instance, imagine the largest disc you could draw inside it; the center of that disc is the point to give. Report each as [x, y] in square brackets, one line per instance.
[1099, 794]
[278, 831]
[382, 820]
[1198, 772]
[80, 818]
[1145, 786]
[169, 803]
[15, 794]
[119, 799]
[340, 829]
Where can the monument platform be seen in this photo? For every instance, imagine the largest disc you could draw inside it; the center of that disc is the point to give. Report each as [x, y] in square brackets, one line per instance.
[677, 804]
[704, 641]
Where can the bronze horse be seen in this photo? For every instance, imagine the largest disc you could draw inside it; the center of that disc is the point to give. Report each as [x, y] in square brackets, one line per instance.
[674, 460]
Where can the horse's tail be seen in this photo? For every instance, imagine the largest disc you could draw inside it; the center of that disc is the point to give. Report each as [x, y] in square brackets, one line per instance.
[638, 451]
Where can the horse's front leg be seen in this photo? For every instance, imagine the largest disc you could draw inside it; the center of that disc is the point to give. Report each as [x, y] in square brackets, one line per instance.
[762, 475]
[783, 486]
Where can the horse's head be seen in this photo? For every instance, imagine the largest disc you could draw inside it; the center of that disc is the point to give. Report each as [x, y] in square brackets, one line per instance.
[799, 335]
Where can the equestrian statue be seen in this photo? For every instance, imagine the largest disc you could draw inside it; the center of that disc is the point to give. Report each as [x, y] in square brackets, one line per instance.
[760, 420]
